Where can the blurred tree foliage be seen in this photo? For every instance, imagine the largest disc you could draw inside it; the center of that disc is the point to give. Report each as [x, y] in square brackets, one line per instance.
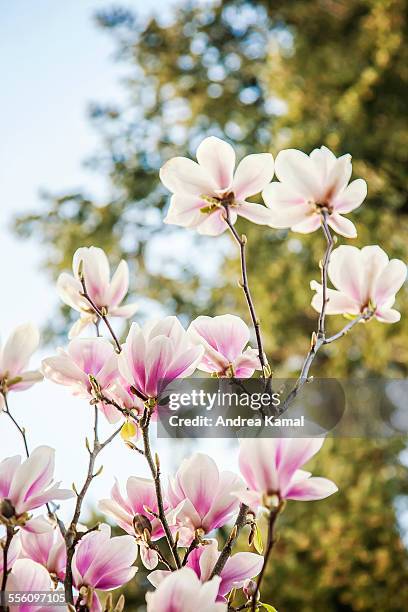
[267, 75]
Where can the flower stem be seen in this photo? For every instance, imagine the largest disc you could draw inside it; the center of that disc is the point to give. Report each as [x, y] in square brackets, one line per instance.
[9, 537]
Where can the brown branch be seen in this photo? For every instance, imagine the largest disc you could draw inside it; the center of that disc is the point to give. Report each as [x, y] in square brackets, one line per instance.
[325, 266]
[270, 541]
[101, 314]
[9, 536]
[155, 471]
[242, 241]
[232, 538]
[72, 536]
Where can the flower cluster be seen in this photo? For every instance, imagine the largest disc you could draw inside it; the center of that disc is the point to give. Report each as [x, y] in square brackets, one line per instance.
[171, 525]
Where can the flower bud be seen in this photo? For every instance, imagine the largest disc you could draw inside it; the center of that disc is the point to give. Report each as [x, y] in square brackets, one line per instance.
[7, 509]
[140, 524]
[249, 588]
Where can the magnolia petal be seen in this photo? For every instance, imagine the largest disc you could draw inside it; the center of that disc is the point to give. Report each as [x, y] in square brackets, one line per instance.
[342, 226]
[20, 345]
[346, 272]
[185, 210]
[351, 197]
[149, 557]
[390, 281]
[298, 170]
[338, 302]
[238, 568]
[310, 224]
[183, 176]
[252, 175]
[255, 212]
[218, 159]
[388, 316]
[27, 380]
[126, 311]
[119, 285]
[214, 224]
[310, 489]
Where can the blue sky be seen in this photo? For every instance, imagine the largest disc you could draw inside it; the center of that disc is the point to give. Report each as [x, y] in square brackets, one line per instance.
[54, 61]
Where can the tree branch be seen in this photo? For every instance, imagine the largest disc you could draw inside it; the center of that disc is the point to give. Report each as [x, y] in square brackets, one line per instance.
[101, 314]
[270, 541]
[155, 471]
[232, 538]
[242, 241]
[72, 537]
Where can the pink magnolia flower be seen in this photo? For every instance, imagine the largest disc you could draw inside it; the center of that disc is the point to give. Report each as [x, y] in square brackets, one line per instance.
[202, 190]
[310, 184]
[14, 358]
[106, 293]
[133, 514]
[182, 591]
[365, 280]
[102, 562]
[224, 339]
[156, 355]
[86, 360]
[270, 467]
[237, 570]
[28, 576]
[202, 497]
[48, 549]
[28, 485]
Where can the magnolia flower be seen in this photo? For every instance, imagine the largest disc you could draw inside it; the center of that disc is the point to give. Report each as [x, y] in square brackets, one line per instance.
[270, 467]
[134, 515]
[366, 282]
[27, 576]
[202, 190]
[311, 184]
[14, 358]
[182, 591]
[102, 562]
[156, 355]
[202, 497]
[88, 367]
[28, 485]
[48, 549]
[224, 339]
[237, 570]
[105, 293]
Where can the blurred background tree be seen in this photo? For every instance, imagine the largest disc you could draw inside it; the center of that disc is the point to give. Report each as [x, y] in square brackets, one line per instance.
[266, 75]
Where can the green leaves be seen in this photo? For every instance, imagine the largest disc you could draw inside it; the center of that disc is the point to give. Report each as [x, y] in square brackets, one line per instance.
[268, 607]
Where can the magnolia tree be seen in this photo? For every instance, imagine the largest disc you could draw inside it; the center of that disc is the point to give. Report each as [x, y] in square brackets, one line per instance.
[172, 528]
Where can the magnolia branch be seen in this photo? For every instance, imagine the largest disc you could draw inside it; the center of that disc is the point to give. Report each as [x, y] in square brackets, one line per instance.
[232, 538]
[270, 541]
[242, 241]
[101, 312]
[319, 339]
[154, 465]
[72, 536]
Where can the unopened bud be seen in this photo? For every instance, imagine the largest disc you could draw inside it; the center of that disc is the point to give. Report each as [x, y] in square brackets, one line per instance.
[141, 523]
[249, 588]
[313, 340]
[7, 509]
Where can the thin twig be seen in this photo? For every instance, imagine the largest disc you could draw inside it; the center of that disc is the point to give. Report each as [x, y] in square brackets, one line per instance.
[227, 550]
[155, 471]
[72, 537]
[242, 241]
[101, 314]
[270, 541]
[325, 266]
[9, 536]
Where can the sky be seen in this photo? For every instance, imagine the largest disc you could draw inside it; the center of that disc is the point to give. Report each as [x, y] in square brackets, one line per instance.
[54, 61]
